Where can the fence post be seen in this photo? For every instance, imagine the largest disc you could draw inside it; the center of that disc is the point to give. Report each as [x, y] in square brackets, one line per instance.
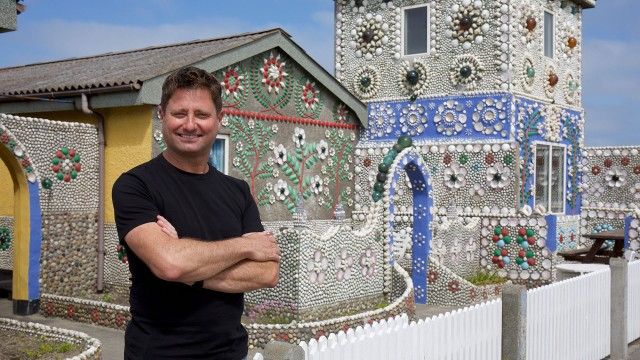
[619, 308]
[514, 322]
[279, 350]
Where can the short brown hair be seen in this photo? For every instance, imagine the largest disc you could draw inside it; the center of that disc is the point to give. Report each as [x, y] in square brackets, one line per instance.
[191, 77]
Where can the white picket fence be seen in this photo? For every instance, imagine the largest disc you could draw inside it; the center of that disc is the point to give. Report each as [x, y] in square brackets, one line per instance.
[570, 319]
[565, 320]
[633, 308]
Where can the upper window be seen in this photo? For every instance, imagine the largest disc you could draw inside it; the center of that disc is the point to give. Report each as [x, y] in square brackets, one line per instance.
[548, 34]
[550, 177]
[219, 155]
[416, 30]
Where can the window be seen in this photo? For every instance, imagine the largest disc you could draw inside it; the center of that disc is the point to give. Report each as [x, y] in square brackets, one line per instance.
[548, 34]
[219, 156]
[416, 30]
[550, 177]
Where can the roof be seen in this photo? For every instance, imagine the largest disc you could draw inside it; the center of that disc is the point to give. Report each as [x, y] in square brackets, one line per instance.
[111, 77]
[114, 69]
[587, 4]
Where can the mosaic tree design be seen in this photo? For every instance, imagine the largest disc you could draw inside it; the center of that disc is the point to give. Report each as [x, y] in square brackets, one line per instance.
[296, 166]
[252, 139]
[528, 128]
[338, 166]
[573, 135]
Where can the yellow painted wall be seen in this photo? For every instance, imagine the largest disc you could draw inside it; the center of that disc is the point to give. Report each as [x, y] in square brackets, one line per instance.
[6, 191]
[128, 134]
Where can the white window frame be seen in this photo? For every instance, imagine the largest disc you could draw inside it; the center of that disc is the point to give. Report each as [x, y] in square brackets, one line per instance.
[553, 35]
[403, 34]
[564, 169]
[226, 139]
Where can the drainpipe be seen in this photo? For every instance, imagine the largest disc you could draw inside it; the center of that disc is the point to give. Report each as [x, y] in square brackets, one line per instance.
[84, 107]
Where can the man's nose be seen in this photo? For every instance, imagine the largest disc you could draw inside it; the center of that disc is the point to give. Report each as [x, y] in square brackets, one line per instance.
[190, 124]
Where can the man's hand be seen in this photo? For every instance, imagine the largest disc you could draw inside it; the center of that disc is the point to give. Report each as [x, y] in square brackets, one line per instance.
[262, 246]
[166, 227]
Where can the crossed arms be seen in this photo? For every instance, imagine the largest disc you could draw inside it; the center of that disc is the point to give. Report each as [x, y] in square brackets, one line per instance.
[235, 265]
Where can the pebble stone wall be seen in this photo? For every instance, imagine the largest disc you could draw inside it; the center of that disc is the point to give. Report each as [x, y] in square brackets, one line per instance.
[92, 348]
[64, 155]
[6, 256]
[611, 189]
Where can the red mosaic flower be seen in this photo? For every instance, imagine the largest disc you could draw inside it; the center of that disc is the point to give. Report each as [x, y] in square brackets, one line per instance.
[25, 162]
[66, 164]
[366, 162]
[453, 286]
[273, 73]
[282, 337]
[321, 333]
[310, 95]
[595, 170]
[636, 169]
[71, 311]
[232, 82]
[120, 319]
[4, 138]
[489, 159]
[432, 276]
[95, 315]
[446, 159]
[625, 161]
[48, 308]
[472, 294]
[608, 163]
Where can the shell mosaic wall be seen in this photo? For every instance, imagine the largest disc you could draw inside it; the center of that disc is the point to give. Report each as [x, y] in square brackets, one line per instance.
[63, 158]
[6, 243]
[339, 265]
[459, 46]
[611, 189]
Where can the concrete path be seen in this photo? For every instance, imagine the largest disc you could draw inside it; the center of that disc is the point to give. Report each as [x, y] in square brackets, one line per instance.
[112, 340]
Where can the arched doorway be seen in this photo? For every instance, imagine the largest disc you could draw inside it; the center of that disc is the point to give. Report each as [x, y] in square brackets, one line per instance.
[411, 163]
[27, 226]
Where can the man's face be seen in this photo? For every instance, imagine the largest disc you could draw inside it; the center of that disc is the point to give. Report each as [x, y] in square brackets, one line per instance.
[190, 123]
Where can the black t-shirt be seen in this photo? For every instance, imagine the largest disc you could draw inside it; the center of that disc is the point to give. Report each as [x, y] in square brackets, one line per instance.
[175, 320]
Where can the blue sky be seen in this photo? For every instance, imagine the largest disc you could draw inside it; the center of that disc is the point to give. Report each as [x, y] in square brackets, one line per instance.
[55, 29]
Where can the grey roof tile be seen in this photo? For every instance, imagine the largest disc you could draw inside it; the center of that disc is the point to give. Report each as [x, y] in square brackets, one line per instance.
[116, 68]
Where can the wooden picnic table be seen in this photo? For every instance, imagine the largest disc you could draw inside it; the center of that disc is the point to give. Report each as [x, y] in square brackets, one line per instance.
[595, 254]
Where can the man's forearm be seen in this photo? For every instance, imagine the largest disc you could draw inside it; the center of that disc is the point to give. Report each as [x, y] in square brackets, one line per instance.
[246, 275]
[184, 260]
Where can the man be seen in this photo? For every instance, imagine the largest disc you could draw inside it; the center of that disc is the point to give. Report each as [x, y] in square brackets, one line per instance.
[187, 293]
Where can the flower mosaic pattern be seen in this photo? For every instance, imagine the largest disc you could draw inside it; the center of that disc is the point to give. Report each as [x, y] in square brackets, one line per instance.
[366, 82]
[490, 117]
[381, 120]
[66, 164]
[412, 78]
[498, 176]
[317, 267]
[466, 72]
[455, 176]
[273, 73]
[234, 86]
[308, 100]
[344, 265]
[270, 82]
[615, 177]
[451, 118]
[468, 24]
[368, 263]
[413, 119]
[369, 36]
